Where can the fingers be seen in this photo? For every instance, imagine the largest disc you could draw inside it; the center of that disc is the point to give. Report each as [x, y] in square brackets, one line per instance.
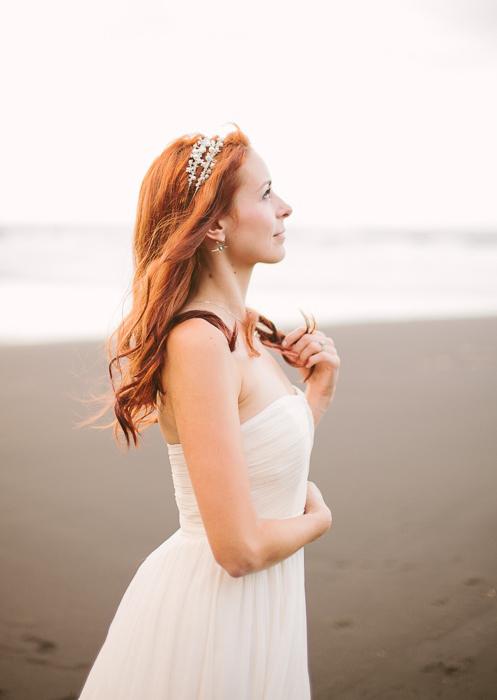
[298, 339]
[293, 336]
[330, 356]
[299, 334]
[314, 352]
[311, 348]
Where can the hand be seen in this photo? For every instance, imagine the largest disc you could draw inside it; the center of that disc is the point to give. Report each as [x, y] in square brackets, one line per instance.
[315, 504]
[308, 350]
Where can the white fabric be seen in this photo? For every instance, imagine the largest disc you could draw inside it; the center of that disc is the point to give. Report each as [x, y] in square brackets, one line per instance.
[185, 629]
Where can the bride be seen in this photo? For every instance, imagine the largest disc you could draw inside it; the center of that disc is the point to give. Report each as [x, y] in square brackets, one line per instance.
[217, 611]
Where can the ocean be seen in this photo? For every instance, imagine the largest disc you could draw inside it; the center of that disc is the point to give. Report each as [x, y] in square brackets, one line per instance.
[64, 283]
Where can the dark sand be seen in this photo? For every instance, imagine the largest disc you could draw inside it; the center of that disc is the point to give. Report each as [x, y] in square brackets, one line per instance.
[401, 592]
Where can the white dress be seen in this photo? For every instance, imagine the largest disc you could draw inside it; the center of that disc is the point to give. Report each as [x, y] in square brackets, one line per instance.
[185, 629]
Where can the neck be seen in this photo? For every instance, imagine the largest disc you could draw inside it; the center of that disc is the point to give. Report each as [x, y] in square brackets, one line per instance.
[225, 283]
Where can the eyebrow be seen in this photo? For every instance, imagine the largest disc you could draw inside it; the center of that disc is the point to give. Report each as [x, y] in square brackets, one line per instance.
[268, 182]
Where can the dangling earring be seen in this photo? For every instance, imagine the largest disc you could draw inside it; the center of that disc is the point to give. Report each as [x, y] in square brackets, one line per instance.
[220, 246]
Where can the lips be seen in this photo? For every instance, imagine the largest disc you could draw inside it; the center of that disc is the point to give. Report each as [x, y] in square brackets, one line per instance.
[279, 234]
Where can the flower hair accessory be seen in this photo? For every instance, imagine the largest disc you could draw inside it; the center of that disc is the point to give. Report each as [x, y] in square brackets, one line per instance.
[207, 164]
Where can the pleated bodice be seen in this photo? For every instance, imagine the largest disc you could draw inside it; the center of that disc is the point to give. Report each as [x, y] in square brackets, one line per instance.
[277, 443]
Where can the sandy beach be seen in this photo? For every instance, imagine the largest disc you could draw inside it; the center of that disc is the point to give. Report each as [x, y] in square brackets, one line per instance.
[401, 592]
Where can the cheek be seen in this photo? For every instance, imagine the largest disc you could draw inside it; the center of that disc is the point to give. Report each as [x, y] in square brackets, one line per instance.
[256, 219]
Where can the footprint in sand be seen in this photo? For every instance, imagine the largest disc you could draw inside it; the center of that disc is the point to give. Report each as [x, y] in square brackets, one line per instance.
[43, 646]
[448, 669]
[341, 624]
[472, 581]
[342, 563]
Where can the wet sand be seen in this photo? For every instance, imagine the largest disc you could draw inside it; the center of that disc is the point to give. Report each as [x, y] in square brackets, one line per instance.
[401, 592]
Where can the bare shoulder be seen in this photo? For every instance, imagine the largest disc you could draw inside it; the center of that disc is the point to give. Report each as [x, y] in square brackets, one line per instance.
[196, 330]
[198, 359]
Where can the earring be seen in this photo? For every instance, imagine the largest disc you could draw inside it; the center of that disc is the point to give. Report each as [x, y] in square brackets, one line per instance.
[220, 246]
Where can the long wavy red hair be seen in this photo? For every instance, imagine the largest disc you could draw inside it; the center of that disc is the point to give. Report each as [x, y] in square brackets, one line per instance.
[171, 223]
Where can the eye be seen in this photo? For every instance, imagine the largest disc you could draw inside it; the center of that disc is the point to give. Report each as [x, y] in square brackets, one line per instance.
[266, 192]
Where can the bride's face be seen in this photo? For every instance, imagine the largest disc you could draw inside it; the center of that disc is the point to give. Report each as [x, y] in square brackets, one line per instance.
[260, 215]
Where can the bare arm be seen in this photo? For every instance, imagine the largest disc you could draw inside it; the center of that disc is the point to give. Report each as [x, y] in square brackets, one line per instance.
[318, 404]
[203, 384]
[279, 539]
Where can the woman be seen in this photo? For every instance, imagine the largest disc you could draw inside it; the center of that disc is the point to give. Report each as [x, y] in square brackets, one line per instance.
[217, 611]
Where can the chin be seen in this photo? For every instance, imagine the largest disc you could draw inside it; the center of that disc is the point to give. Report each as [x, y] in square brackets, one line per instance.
[277, 254]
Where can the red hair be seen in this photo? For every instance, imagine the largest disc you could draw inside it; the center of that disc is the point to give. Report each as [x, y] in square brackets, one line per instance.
[171, 223]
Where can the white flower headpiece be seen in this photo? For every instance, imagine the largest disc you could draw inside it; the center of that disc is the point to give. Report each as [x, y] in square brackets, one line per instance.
[196, 159]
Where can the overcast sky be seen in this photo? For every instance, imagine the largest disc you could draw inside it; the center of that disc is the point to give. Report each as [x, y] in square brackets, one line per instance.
[368, 113]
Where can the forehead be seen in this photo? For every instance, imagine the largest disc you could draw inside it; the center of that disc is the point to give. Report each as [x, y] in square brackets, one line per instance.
[254, 172]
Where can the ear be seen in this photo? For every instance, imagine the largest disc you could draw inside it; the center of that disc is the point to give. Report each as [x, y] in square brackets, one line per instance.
[217, 232]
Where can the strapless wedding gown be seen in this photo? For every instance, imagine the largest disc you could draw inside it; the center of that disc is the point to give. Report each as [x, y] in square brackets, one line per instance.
[185, 629]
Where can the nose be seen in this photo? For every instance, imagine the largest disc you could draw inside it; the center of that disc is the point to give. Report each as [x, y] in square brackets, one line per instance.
[287, 209]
